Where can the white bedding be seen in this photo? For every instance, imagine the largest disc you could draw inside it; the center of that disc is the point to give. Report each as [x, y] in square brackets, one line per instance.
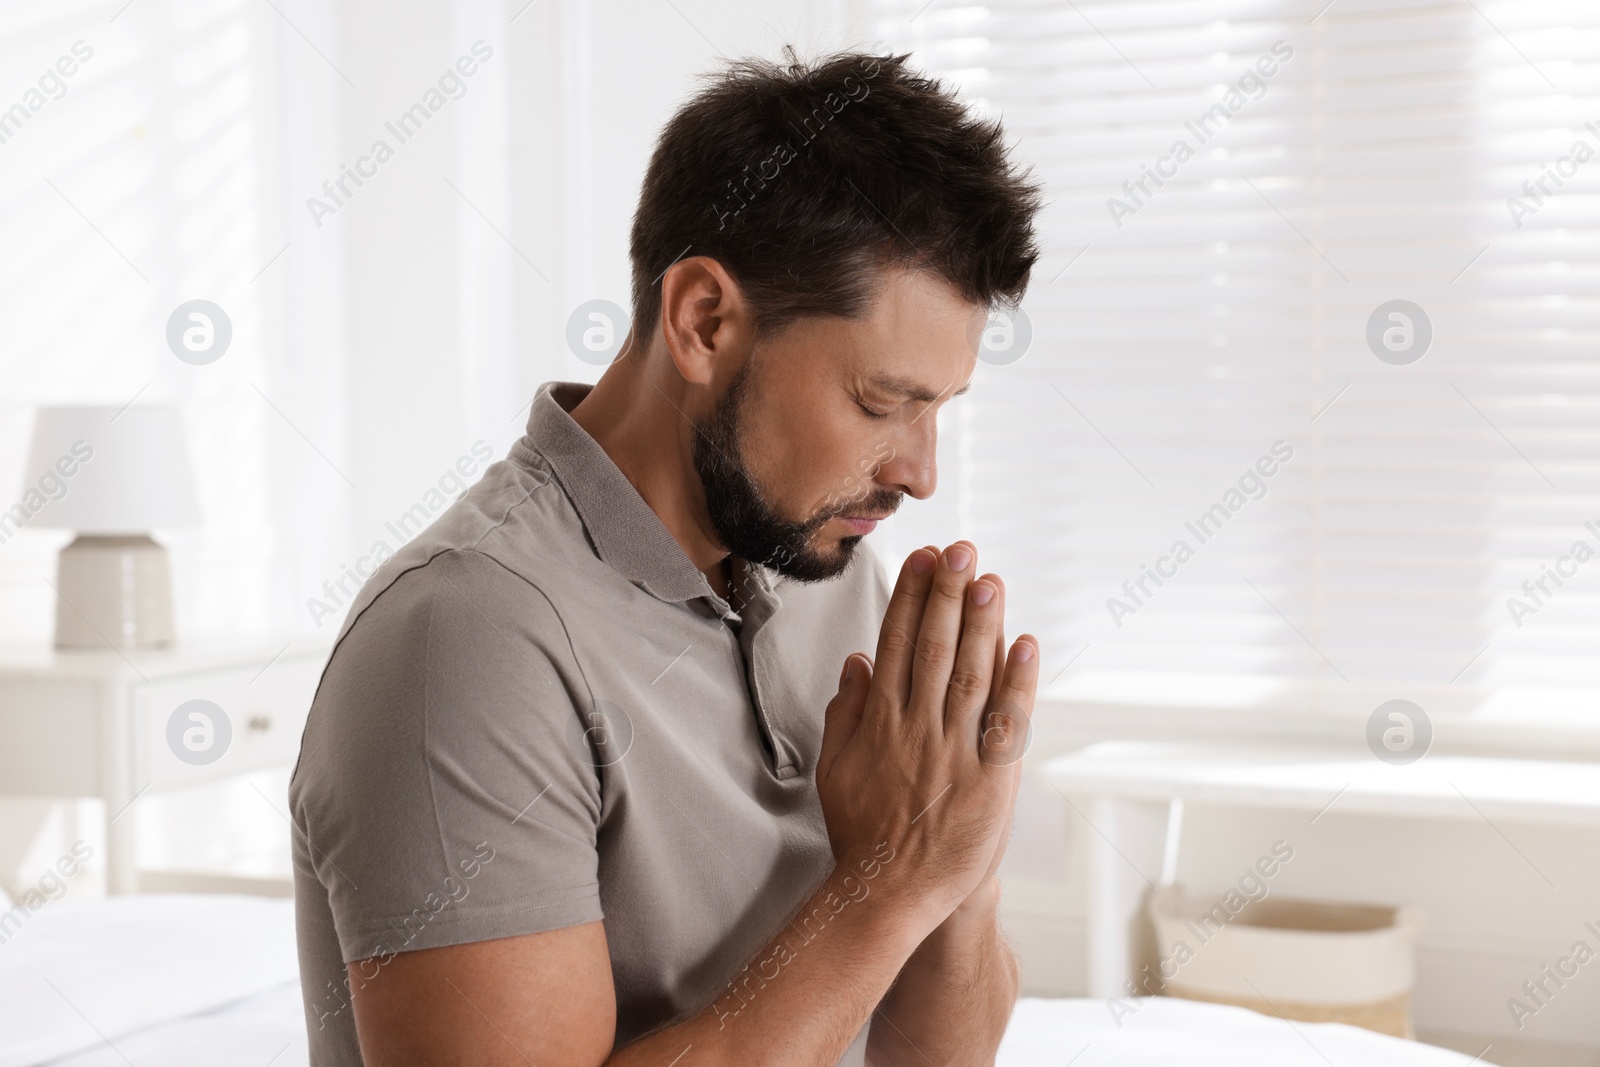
[1166, 1032]
[197, 981]
[81, 973]
[264, 1030]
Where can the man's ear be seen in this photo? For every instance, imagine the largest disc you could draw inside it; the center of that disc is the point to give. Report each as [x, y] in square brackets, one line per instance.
[705, 321]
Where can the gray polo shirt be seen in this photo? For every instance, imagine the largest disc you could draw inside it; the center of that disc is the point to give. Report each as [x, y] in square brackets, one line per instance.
[539, 714]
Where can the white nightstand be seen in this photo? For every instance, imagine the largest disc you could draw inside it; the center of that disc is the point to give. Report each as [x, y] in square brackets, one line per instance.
[96, 724]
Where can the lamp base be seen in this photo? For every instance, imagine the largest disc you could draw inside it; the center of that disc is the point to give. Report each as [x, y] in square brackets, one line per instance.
[113, 590]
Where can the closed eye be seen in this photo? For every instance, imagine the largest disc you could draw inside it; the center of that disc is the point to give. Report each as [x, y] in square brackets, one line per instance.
[871, 413]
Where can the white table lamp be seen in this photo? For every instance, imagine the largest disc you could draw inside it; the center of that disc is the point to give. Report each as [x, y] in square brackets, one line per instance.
[119, 473]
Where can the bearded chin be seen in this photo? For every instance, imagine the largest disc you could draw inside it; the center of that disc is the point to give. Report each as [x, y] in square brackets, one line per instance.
[745, 523]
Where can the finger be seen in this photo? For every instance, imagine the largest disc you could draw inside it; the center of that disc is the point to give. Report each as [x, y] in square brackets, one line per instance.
[941, 627]
[1005, 731]
[842, 718]
[972, 676]
[999, 638]
[897, 637]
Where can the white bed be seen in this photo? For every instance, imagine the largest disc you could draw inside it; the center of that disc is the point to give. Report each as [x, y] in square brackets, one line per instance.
[156, 981]
[197, 981]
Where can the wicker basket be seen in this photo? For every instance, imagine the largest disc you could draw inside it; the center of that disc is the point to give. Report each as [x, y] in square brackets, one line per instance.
[1301, 960]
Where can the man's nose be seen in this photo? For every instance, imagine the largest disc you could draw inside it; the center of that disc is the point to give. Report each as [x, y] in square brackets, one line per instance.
[913, 468]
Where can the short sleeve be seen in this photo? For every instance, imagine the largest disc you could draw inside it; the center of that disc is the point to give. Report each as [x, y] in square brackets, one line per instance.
[445, 791]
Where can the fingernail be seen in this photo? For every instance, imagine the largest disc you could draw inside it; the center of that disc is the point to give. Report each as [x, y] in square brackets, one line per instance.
[921, 562]
[849, 670]
[982, 593]
[959, 557]
[1024, 651]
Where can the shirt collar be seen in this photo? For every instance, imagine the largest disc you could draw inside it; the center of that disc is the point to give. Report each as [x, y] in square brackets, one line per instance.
[626, 533]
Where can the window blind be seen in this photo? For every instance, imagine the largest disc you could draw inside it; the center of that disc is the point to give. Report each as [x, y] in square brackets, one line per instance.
[1228, 457]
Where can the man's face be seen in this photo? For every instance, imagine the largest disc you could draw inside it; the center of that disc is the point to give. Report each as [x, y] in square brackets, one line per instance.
[831, 422]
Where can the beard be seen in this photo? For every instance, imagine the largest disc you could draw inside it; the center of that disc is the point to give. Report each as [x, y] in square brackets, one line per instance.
[746, 524]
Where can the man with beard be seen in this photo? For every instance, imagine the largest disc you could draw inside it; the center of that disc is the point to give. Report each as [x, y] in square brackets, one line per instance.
[601, 770]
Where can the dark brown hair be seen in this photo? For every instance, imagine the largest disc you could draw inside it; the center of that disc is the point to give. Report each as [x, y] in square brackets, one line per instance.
[804, 179]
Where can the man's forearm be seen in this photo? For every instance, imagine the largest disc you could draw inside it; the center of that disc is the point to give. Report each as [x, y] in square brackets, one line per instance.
[805, 996]
[954, 996]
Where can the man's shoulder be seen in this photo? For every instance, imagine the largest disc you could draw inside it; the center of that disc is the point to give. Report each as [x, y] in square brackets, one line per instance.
[457, 627]
[501, 544]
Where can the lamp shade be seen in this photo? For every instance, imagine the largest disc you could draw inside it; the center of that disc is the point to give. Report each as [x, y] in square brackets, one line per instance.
[106, 470]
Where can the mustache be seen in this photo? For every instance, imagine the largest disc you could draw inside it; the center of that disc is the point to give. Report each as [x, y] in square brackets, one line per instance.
[879, 502]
